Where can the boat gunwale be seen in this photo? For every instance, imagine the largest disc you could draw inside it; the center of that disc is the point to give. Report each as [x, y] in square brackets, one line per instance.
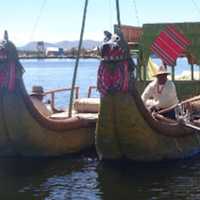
[163, 128]
[60, 125]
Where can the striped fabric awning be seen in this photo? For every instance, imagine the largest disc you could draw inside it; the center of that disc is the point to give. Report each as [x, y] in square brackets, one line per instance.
[169, 44]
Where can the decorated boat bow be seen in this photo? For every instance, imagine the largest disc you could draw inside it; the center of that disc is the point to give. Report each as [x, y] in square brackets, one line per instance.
[125, 128]
[10, 67]
[114, 72]
[24, 130]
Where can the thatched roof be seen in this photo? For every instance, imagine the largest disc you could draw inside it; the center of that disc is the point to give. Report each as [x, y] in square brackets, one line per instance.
[190, 29]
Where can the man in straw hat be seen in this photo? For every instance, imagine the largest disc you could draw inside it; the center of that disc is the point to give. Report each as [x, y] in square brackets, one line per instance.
[160, 94]
[37, 96]
[37, 92]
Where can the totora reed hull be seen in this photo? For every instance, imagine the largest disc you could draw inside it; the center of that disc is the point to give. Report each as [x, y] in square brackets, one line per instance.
[125, 129]
[24, 131]
[28, 133]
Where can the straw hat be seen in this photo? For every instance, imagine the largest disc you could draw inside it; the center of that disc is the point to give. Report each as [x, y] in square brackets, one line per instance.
[37, 90]
[161, 70]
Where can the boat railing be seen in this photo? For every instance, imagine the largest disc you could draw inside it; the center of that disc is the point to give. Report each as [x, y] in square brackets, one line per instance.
[54, 91]
[77, 89]
[90, 90]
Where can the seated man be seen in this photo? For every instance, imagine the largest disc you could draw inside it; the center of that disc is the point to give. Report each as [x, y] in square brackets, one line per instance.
[37, 97]
[160, 94]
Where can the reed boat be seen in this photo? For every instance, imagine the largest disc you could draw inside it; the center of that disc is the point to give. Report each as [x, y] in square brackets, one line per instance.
[126, 129]
[24, 130]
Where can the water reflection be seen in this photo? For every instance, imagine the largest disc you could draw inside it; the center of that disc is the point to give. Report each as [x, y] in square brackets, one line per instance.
[84, 177]
[179, 180]
[65, 178]
[81, 184]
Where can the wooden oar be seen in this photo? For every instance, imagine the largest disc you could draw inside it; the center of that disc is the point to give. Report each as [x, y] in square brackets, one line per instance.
[167, 109]
[196, 98]
[159, 117]
[192, 126]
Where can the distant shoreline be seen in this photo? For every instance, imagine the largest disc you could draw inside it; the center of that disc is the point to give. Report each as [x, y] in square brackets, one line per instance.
[58, 57]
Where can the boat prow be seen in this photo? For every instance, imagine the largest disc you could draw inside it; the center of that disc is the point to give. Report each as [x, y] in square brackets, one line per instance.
[24, 131]
[126, 129]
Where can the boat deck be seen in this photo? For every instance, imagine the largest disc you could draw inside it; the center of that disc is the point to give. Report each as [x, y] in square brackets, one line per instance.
[64, 115]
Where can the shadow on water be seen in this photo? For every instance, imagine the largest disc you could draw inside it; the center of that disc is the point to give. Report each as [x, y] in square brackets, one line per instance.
[58, 178]
[84, 177]
[166, 180]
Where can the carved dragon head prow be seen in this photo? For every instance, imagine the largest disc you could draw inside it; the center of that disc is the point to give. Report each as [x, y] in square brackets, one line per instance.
[114, 71]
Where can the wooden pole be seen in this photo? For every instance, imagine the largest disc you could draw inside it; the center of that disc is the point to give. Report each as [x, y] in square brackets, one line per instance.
[138, 69]
[192, 72]
[199, 72]
[118, 14]
[144, 72]
[52, 100]
[77, 59]
[122, 40]
[173, 72]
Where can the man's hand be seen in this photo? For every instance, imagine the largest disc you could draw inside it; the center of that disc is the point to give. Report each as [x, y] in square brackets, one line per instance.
[153, 109]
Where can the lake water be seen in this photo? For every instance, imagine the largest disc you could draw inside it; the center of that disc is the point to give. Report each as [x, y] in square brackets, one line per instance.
[84, 177]
[57, 73]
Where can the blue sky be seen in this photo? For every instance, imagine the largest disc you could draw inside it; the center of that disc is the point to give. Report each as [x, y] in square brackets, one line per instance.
[61, 19]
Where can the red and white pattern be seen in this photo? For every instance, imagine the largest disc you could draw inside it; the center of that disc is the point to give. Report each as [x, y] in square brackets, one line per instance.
[113, 72]
[169, 45]
[111, 81]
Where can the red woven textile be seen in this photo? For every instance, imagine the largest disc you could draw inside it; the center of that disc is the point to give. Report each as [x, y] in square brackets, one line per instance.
[170, 44]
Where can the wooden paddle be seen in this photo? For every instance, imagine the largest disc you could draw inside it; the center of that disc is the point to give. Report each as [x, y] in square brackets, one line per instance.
[196, 98]
[193, 99]
[167, 109]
